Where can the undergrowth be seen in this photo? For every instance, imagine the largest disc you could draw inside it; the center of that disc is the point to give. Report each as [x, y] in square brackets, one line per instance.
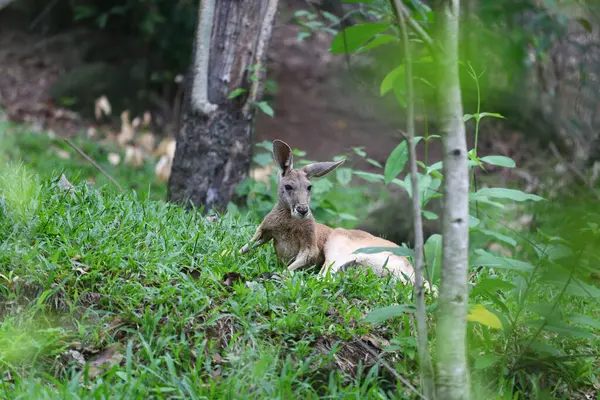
[160, 297]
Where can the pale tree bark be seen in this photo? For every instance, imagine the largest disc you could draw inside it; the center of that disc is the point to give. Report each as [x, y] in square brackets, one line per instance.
[426, 367]
[214, 143]
[452, 371]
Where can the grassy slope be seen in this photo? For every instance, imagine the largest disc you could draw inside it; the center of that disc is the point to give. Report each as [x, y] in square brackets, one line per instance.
[83, 270]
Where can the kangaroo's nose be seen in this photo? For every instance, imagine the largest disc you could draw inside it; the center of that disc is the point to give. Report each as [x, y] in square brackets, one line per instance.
[302, 210]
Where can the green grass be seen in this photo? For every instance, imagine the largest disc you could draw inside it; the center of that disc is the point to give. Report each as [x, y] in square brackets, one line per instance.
[152, 290]
[84, 270]
[40, 153]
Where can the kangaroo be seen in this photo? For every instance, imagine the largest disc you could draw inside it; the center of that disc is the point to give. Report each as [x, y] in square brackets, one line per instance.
[300, 241]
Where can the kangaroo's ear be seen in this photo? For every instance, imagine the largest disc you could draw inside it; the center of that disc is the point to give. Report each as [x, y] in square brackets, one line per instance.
[317, 170]
[282, 154]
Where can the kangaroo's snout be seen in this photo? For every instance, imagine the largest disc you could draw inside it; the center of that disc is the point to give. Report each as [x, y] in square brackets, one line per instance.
[301, 210]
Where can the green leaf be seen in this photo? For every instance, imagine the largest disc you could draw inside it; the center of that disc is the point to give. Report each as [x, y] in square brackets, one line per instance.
[541, 348]
[473, 221]
[545, 310]
[467, 117]
[347, 217]
[399, 251]
[494, 284]
[576, 287]
[499, 236]
[562, 329]
[368, 176]
[432, 188]
[485, 200]
[397, 159]
[359, 151]
[395, 162]
[377, 41]
[383, 314]
[374, 162]
[263, 159]
[486, 361]
[266, 108]
[343, 175]
[432, 251]
[500, 161]
[585, 320]
[487, 114]
[435, 167]
[355, 36]
[333, 18]
[586, 24]
[237, 92]
[429, 215]
[485, 259]
[510, 194]
[302, 35]
[390, 79]
[553, 251]
[481, 315]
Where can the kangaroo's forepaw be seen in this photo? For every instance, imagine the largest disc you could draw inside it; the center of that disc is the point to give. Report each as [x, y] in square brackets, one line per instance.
[243, 250]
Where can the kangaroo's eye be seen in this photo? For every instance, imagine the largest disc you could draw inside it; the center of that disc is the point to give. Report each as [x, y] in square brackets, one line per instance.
[289, 187]
[309, 188]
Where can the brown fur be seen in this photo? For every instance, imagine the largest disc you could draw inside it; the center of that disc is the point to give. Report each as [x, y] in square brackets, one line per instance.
[301, 241]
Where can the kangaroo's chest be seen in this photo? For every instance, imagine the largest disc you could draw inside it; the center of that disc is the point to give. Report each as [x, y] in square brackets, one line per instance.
[287, 245]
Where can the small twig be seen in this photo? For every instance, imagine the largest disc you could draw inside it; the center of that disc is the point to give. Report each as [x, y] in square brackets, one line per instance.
[426, 367]
[577, 173]
[414, 25]
[94, 164]
[387, 366]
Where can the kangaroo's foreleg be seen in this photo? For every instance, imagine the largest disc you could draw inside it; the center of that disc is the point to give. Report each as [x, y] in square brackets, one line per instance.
[302, 259]
[259, 238]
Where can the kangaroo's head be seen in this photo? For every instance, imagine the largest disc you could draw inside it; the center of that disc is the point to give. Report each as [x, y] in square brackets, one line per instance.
[294, 188]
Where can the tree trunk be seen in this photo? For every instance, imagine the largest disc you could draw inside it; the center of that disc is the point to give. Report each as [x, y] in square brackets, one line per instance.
[452, 371]
[214, 144]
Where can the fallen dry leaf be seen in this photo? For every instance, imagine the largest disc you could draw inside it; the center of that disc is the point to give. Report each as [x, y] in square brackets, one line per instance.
[147, 119]
[147, 141]
[64, 184]
[137, 121]
[192, 272]
[91, 132]
[65, 155]
[114, 159]
[73, 356]
[212, 218]
[102, 106]
[166, 147]
[104, 361]
[499, 249]
[262, 174]
[231, 278]
[127, 132]
[134, 156]
[376, 341]
[163, 168]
